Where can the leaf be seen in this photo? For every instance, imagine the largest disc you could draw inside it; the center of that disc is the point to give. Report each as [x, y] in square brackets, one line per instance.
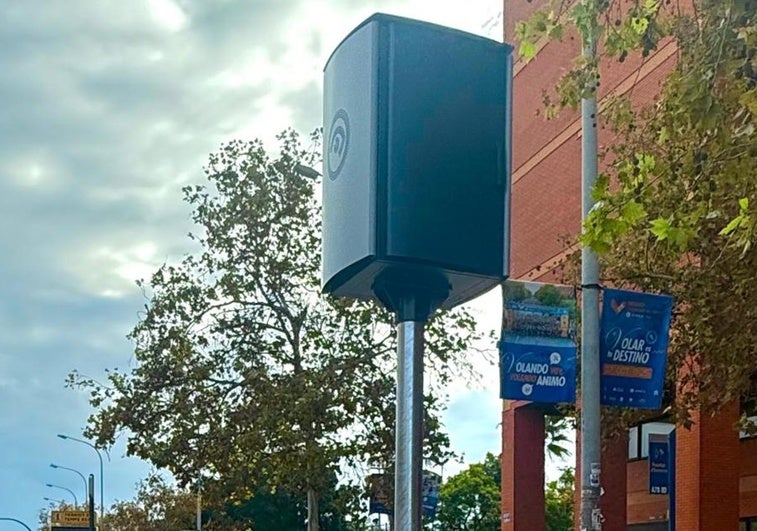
[661, 228]
[732, 225]
[632, 212]
[527, 50]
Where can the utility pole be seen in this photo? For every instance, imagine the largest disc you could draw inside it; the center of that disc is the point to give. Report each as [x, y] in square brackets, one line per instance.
[591, 519]
[198, 518]
[91, 504]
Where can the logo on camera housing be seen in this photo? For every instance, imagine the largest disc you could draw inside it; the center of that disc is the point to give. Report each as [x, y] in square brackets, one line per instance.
[338, 143]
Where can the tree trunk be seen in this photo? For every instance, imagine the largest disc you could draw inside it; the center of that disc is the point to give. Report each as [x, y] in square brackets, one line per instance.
[312, 510]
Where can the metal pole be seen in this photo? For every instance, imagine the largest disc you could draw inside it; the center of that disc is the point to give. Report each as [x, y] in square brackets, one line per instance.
[83, 479]
[198, 520]
[17, 521]
[76, 501]
[590, 411]
[409, 442]
[91, 498]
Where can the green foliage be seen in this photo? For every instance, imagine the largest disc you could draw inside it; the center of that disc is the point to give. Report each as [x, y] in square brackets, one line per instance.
[515, 291]
[243, 370]
[549, 295]
[555, 435]
[469, 501]
[157, 506]
[559, 500]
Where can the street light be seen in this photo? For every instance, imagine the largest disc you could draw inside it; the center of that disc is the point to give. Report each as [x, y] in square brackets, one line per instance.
[59, 502]
[307, 172]
[84, 480]
[100, 457]
[17, 521]
[76, 502]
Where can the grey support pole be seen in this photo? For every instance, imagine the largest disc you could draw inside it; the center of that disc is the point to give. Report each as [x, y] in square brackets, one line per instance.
[198, 515]
[590, 411]
[409, 436]
[413, 298]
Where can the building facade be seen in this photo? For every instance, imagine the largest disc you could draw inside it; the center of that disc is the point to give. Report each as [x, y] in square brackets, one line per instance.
[716, 467]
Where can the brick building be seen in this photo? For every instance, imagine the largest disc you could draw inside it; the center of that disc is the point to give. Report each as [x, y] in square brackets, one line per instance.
[716, 469]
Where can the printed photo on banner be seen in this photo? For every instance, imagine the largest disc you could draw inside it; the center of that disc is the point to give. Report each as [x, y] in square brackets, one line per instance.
[633, 348]
[538, 347]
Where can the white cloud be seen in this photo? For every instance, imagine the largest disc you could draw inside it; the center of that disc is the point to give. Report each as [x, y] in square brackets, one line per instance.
[168, 14]
[109, 108]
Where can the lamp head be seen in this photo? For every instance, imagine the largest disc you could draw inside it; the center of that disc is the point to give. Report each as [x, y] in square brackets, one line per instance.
[48, 485]
[53, 465]
[62, 436]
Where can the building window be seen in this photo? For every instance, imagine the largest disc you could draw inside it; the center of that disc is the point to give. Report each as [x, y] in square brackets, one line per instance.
[748, 524]
[638, 438]
[745, 435]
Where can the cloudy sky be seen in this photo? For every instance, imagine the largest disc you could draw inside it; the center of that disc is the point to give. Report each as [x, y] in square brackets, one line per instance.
[108, 107]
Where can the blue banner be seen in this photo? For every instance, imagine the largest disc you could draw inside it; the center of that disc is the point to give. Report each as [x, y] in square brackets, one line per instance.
[382, 499]
[539, 373]
[430, 495]
[633, 348]
[659, 464]
[381, 494]
[538, 349]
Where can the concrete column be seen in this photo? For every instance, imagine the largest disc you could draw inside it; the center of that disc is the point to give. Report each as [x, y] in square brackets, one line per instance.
[522, 467]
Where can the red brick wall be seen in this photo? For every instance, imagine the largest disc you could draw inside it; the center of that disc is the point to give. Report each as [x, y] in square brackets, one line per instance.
[642, 506]
[707, 473]
[748, 478]
[614, 483]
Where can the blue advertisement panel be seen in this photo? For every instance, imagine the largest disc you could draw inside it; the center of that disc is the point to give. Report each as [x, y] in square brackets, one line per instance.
[430, 496]
[538, 348]
[659, 464]
[539, 373]
[633, 348]
[382, 499]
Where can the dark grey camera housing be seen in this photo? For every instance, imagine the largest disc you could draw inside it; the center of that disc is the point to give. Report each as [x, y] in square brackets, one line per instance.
[416, 158]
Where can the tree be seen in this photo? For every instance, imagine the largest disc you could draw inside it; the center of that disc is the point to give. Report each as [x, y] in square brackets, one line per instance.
[515, 291]
[470, 500]
[559, 500]
[549, 295]
[675, 207]
[555, 436]
[243, 370]
[157, 506]
[43, 518]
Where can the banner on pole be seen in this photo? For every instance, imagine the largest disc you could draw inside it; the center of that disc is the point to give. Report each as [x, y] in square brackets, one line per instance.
[381, 494]
[430, 498]
[381, 489]
[633, 348]
[659, 464]
[538, 348]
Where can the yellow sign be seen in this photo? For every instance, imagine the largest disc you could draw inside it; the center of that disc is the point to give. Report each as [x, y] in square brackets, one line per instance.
[69, 519]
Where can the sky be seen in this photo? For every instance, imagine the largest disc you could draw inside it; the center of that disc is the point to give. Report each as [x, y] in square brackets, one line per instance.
[107, 108]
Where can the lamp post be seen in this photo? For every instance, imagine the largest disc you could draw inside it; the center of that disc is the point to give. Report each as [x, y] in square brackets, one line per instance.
[59, 502]
[17, 521]
[100, 457]
[76, 502]
[83, 479]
